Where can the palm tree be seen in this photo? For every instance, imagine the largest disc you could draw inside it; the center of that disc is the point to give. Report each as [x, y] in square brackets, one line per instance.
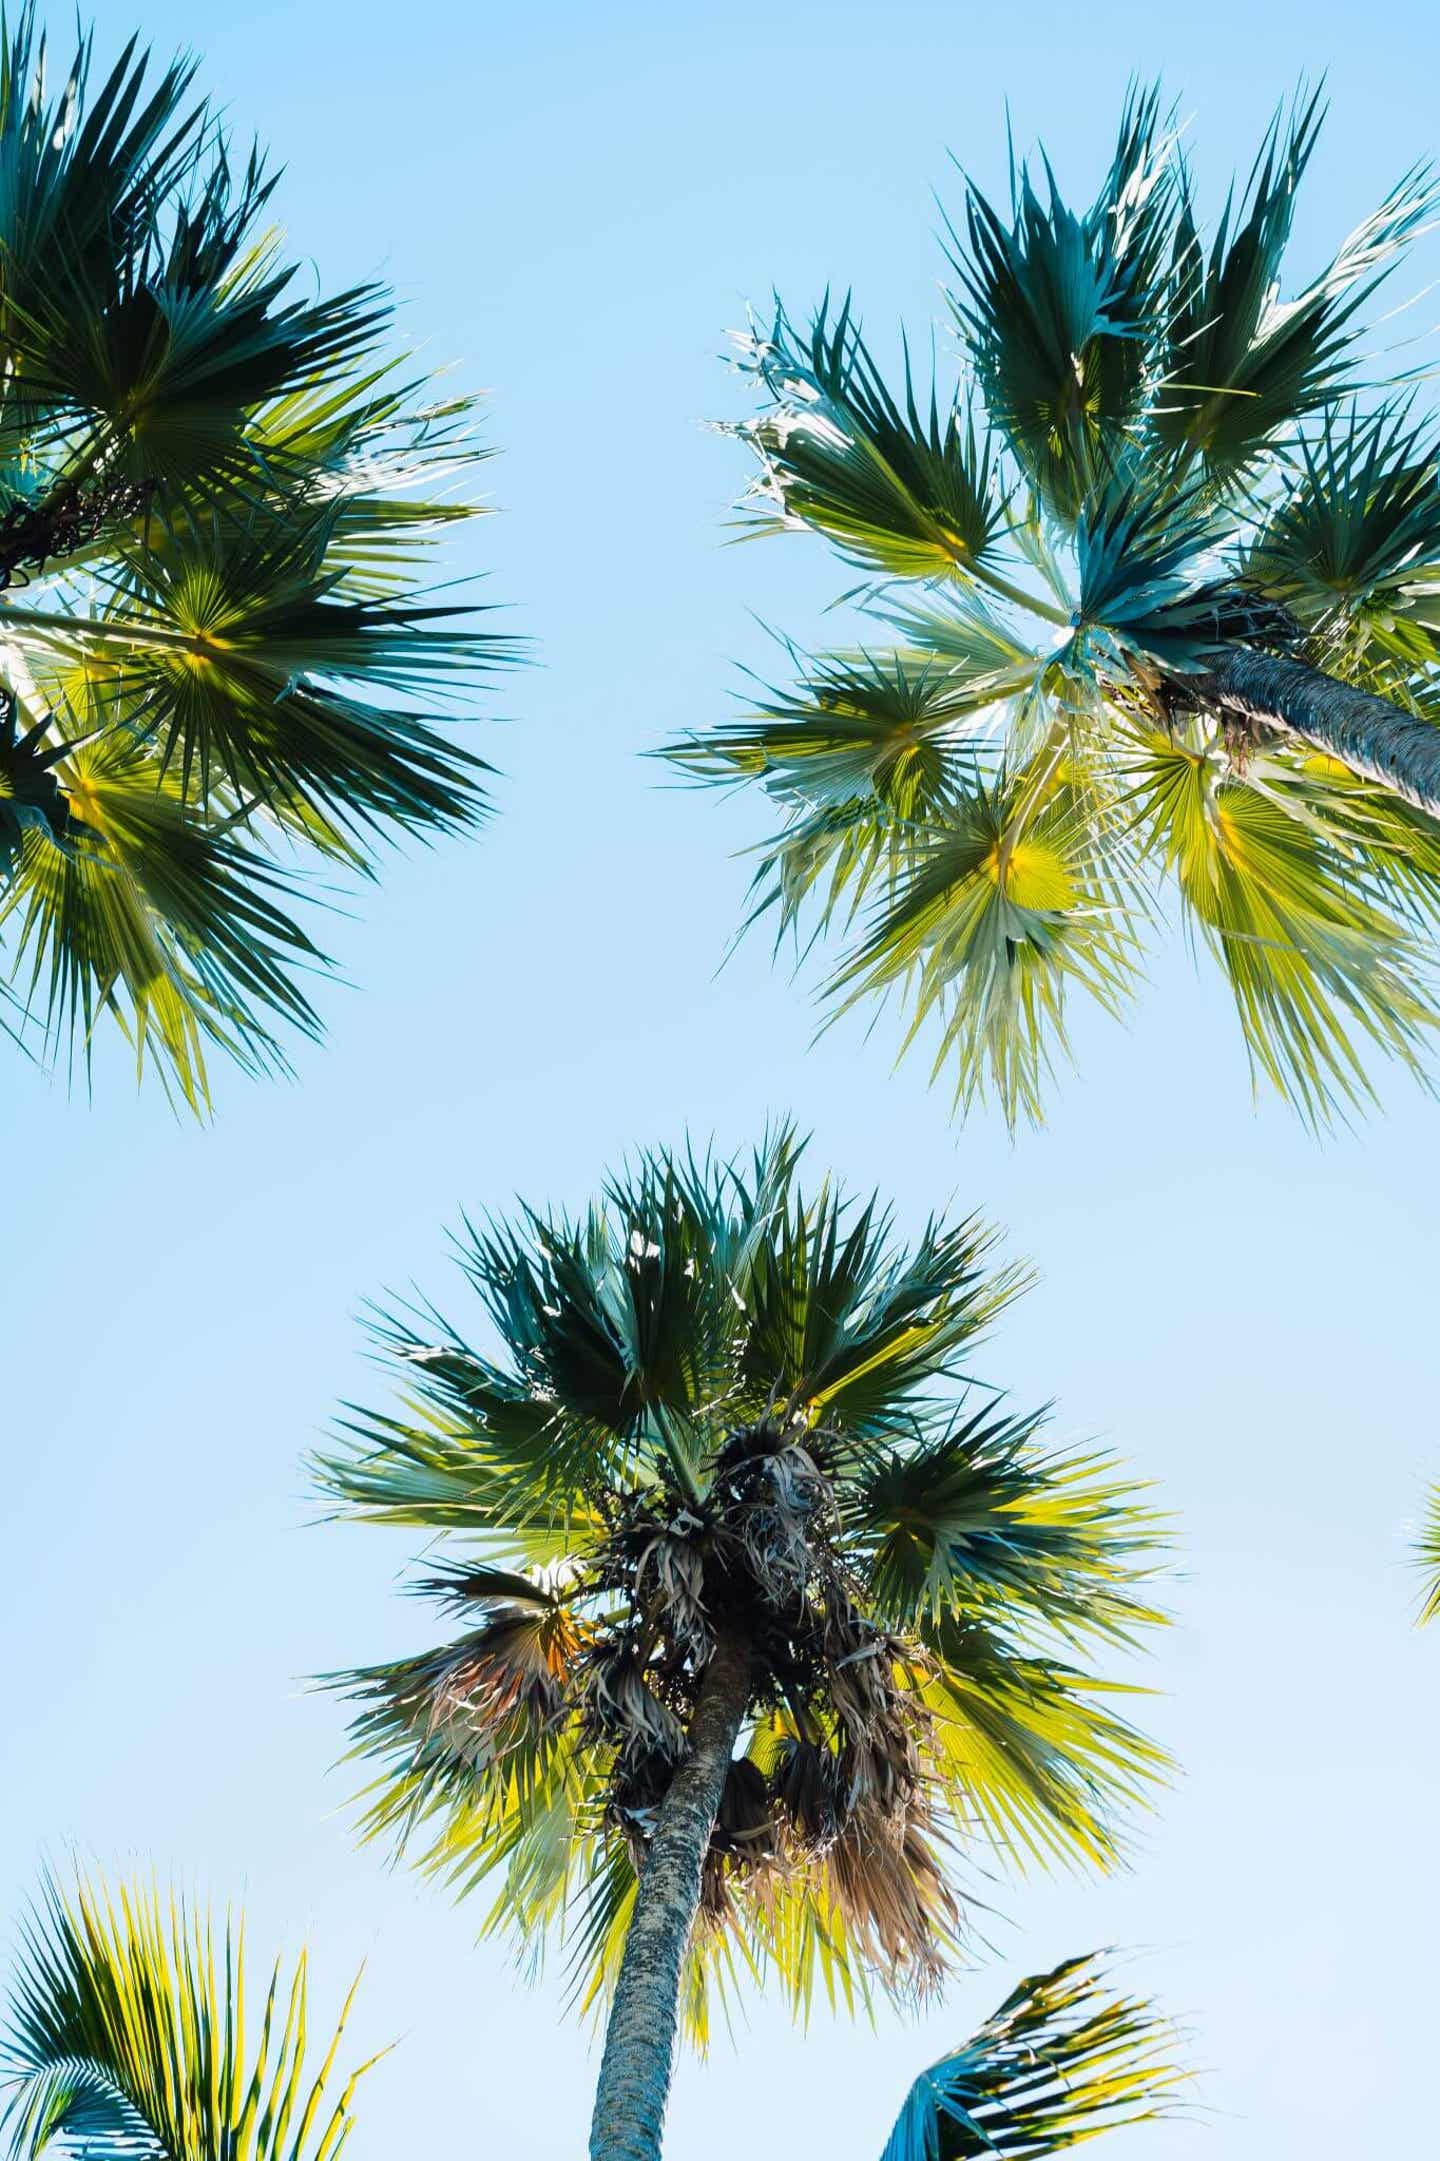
[1062, 2060]
[127, 2035]
[217, 497]
[1156, 594]
[763, 1616]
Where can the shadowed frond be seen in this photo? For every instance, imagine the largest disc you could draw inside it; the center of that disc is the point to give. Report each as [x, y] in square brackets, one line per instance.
[218, 498]
[901, 491]
[1244, 366]
[1057, 308]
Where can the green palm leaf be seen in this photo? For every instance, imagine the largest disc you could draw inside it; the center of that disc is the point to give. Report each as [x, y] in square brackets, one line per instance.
[218, 501]
[128, 2034]
[1243, 366]
[130, 904]
[1062, 2060]
[1055, 308]
[899, 491]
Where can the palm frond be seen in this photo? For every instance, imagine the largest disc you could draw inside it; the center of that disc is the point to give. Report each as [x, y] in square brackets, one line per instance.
[1058, 308]
[1352, 547]
[1244, 366]
[231, 649]
[1427, 1554]
[1031, 1753]
[875, 730]
[132, 903]
[1063, 2059]
[1317, 967]
[999, 913]
[127, 2034]
[906, 492]
[983, 1514]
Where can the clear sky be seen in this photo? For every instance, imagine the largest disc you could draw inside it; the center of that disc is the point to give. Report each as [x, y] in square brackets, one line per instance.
[575, 203]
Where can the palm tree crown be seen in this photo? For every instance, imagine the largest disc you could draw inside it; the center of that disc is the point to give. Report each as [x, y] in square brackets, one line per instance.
[725, 1501]
[127, 2034]
[1157, 591]
[216, 497]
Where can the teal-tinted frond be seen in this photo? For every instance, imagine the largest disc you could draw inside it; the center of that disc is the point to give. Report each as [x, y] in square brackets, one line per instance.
[900, 490]
[1063, 2059]
[1058, 309]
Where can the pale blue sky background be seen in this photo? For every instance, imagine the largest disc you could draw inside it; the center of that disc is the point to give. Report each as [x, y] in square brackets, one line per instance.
[575, 203]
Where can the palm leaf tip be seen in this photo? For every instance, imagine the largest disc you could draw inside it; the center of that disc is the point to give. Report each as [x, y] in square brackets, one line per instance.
[127, 2034]
[1427, 1558]
[1063, 2059]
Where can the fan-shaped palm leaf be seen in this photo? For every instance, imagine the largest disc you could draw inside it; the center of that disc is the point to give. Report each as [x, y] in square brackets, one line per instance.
[216, 499]
[1063, 2059]
[128, 2034]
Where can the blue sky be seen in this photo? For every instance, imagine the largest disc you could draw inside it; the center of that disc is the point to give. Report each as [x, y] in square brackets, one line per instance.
[575, 203]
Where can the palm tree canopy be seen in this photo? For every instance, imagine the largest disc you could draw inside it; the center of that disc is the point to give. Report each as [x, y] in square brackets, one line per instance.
[1155, 596]
[1063, 2059]
[718, 1405]
[129, 2033]
[219, 668]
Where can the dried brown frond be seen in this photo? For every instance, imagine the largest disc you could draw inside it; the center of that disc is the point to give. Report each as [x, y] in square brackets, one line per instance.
[887, 1881]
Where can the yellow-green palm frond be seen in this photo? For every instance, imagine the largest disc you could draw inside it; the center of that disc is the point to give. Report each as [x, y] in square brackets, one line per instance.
[219, 499]
[1002, 912]
[1427, 1555]
[126, 901]
[130, 2032]
[1063, 2059]
[1280, 878]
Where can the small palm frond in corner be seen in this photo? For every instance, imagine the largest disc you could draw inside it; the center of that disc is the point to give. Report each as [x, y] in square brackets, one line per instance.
[1063, 2059]
[127, 2035]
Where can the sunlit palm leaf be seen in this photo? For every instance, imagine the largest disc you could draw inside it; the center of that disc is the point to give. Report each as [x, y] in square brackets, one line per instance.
[1062, 2060]
[1316, 967]
[143, 909]
[996, 919]
[899, 491]
[127, 2035]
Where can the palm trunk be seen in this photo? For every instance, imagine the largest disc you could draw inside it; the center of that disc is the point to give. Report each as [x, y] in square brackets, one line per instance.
[639, 2053]
[1375, 739]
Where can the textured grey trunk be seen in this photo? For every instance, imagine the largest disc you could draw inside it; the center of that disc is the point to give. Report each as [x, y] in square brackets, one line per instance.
[640, 2039]
[1377, 740]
